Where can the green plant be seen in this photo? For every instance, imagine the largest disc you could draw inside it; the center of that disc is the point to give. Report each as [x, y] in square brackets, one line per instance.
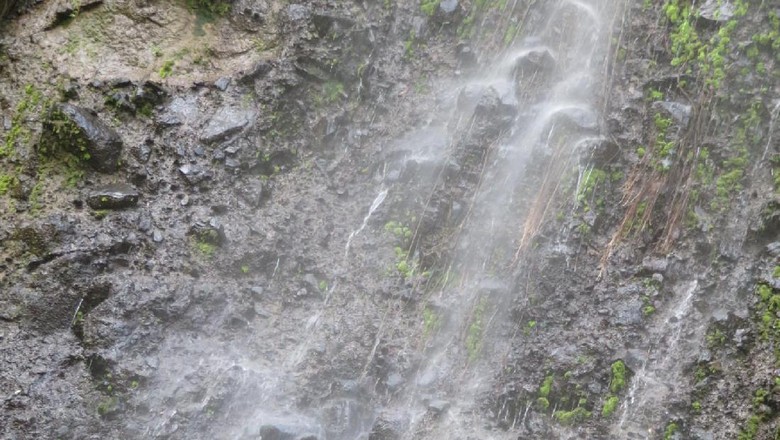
[431, 322]
[107, 406]
[576, 415]
[655, 95]
[474, 335]
[166, 70]
[332, 91]
[546, 386]
[618, 381]
[428, 7]
[670, 430]
[323, 286]
[209, 9]
[648, 308]
[591, 180]
[750, 431]
[715, 338]
[696, 406]
[610, 405]
[409, 45]
[244, 268]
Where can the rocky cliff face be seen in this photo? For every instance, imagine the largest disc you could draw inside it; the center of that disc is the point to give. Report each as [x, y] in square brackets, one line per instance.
[266, 219]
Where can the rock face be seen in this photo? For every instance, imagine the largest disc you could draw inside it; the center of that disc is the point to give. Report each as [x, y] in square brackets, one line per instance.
[117, 196]
[337, 223]
[83, 134]
[225, 122]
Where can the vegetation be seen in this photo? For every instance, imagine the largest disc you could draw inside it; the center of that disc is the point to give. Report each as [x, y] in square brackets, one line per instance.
[670, 430]
[431, 322]
[474, 335]
[618, 381]
[166, 70]
[578, 414]
[610, 405]
[428, 7]
[209, 9]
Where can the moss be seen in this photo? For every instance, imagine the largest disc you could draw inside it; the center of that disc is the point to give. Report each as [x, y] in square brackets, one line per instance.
[476, 328]
[610, 405]
[431, 322]
[576, 415]
[166, 69]
[546, 386]
[670, 430]
[428, 7]
[618, 381]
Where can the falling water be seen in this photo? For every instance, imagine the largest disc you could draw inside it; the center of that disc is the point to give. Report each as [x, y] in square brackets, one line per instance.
[655, 381]
[556, 97]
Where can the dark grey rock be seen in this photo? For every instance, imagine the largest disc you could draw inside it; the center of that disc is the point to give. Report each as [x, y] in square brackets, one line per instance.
[194, 174]
[259, 69]
[533, 62]
[678, 111]
[438, 406]
[81, 132]
[773, 248]
[279, 431]
[222, 83]
[143, 152]
[717, 10]
[144, 224]
[394, 381]
[657, 265]
[225, 122]
[448, 6]
[298, 12]
[116, 196]
[576, 117]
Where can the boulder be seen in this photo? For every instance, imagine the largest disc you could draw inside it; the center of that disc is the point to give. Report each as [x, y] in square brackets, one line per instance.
[225, 122]
[81, 132]
[116, 196]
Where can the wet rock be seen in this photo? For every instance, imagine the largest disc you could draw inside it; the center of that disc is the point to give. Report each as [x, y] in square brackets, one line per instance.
[144, 151]
[331, 25]
[678, 111]
[533, 62]
[63, 11]
[82, 133]
[576, 118]
[259, 69]
[497, 106]
[438, 406]
[394, 381]
[280, 431]
[717, 11]
[253, 193]
[194, 174]
[212, 232]
[181, 110]
[599, 151]
[656, 265]
[298, 12]
[225, 122]
[146, 95]
[466, 55]
[448, 6]
[385, 429]
[222, 83]
[773, 248]
[116, 196]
